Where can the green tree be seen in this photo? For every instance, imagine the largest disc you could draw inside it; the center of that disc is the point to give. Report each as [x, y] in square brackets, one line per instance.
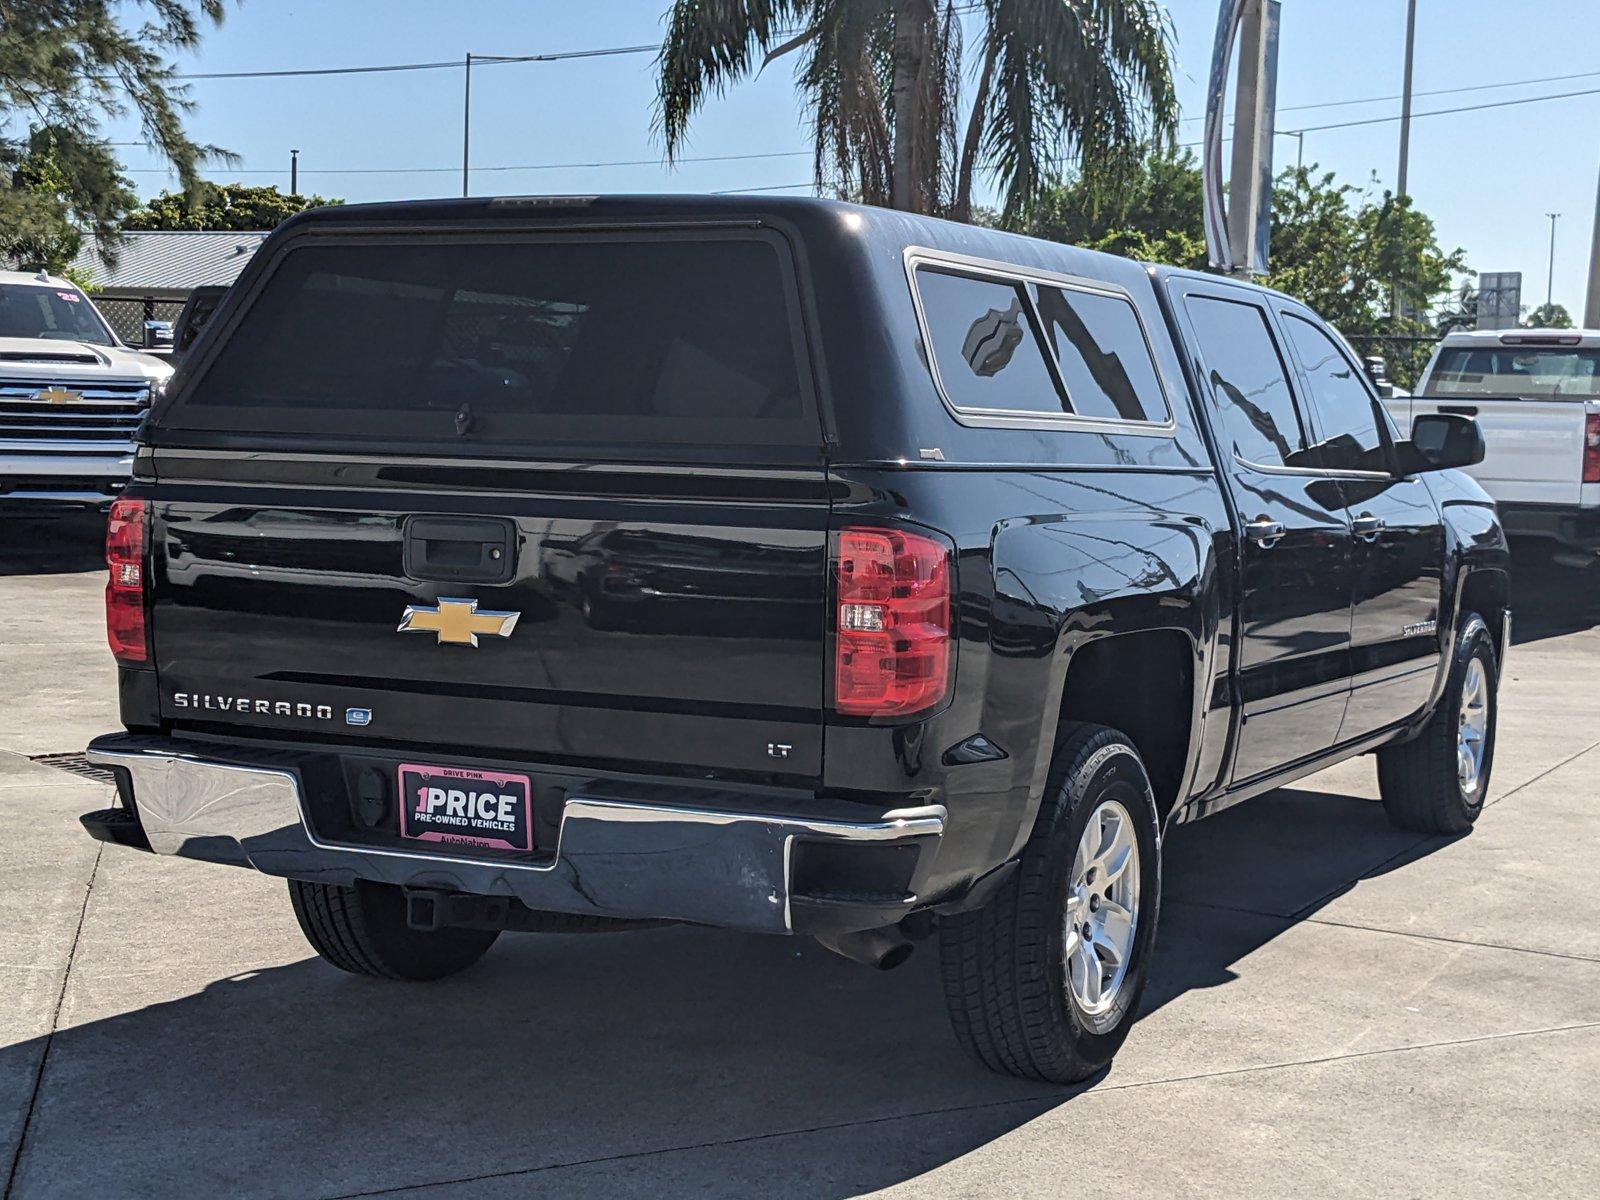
[235, 207]
[65, 67]
[1152, 213]
[54, 194]
[1549, 316]
[1337, 247]
[1058, 81]
[1342, 252]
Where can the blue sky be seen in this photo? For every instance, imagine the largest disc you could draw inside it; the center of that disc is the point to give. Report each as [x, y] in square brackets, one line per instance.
[1486, 177]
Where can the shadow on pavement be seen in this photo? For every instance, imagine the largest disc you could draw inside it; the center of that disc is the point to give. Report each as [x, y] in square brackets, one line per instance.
[55, 544]
[1548, 598]
[561, 1050]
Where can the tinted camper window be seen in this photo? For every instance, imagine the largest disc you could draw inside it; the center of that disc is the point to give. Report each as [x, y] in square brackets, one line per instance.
[987, 349]
[1104, 358]
[491, 342]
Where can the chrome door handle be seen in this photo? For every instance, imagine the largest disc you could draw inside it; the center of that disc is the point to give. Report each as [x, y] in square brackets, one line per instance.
[1367, 527]
[1265, 532]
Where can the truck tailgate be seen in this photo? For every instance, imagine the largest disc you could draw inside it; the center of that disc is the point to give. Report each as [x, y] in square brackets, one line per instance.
[1534, 446]
[685, 634]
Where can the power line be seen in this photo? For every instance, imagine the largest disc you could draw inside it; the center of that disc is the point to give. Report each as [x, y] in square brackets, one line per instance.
[444, 65]
[771, 187]
[1476, 87]
[569, 166]
[647, 162]
[1433, 112]
[1442, 112]
[456, 63]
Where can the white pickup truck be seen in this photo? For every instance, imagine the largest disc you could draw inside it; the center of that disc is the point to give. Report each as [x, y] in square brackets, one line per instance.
[72, 396]
[1536, 395]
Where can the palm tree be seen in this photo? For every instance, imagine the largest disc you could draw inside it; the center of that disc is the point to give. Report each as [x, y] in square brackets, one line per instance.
[1085, 82]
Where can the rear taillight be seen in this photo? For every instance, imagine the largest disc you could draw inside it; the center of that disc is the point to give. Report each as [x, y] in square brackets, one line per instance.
[1591, 449]
[125, 620]
[892, 652]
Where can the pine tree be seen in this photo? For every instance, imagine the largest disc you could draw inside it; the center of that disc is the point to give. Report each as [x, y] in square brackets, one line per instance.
[67, 67]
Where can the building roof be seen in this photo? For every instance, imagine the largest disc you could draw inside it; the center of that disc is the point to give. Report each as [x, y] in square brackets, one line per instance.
[168, 261]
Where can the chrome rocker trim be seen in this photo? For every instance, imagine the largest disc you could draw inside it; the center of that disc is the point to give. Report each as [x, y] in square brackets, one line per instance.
[613, 857]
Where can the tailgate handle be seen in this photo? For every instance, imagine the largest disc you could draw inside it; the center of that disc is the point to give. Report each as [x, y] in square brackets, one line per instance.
[1460, 410]
[460, 549]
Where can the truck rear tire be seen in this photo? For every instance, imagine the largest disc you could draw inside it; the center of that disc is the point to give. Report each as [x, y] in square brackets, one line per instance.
[1043, 981]
[1436, 782]
[363, 930]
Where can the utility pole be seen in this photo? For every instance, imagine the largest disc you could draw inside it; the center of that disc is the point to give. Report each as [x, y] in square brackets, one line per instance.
[466, 129]
[1401, 180]
[1550, 282]
[294, 172]
[1591, 308]
[1405, 98]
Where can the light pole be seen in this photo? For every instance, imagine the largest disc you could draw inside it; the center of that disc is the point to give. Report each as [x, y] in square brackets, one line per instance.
[1550, 282]
[294, 172]
[466, 127]
[1299, 135]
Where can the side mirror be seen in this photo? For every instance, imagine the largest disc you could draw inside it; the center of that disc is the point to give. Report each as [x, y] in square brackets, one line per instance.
[1441, 441]
[157, 334]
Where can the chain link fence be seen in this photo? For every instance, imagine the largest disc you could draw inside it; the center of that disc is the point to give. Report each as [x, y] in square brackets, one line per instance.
[127, 315]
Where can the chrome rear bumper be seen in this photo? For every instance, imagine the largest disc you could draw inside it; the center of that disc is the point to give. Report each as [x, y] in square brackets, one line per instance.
[619, 857]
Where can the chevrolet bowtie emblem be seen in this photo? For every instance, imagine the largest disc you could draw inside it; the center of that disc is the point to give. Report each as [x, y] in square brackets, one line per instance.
[457, 622]
[55, 395]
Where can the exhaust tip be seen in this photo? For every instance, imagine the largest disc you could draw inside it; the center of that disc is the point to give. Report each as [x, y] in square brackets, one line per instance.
[882, 949]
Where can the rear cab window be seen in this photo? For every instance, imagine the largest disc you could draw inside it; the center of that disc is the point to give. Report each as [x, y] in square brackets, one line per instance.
[1025, 346]
[492, 343]
[1521, 369]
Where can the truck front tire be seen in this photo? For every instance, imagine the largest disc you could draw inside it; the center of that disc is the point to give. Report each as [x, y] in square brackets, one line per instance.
[363, 930]
[1043, 981]
[1436, 782]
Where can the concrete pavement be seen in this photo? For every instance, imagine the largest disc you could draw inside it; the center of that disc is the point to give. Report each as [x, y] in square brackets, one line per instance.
[1337, 1009]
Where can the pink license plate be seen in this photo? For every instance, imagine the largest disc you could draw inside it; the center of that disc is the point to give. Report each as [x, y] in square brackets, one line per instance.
[465, 808]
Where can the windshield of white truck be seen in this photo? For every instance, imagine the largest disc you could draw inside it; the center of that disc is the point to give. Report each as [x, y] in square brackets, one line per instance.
[1516, 371]
[51, 312]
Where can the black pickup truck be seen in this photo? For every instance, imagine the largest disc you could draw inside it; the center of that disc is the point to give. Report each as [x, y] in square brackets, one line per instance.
[780, 565]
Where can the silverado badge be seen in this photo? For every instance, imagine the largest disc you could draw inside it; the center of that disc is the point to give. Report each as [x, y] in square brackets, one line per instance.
[457, 622]
[57, 395]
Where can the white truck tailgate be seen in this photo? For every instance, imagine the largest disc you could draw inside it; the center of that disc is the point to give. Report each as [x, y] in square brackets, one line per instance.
[1534, 446]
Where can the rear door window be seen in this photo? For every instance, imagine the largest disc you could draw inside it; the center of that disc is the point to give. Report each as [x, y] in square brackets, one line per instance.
[498, 342]
[1249, 382]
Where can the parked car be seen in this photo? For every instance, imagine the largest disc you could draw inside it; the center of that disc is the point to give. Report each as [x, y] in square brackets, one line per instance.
[1536, 393]
[71, 396]
[1049, 550]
